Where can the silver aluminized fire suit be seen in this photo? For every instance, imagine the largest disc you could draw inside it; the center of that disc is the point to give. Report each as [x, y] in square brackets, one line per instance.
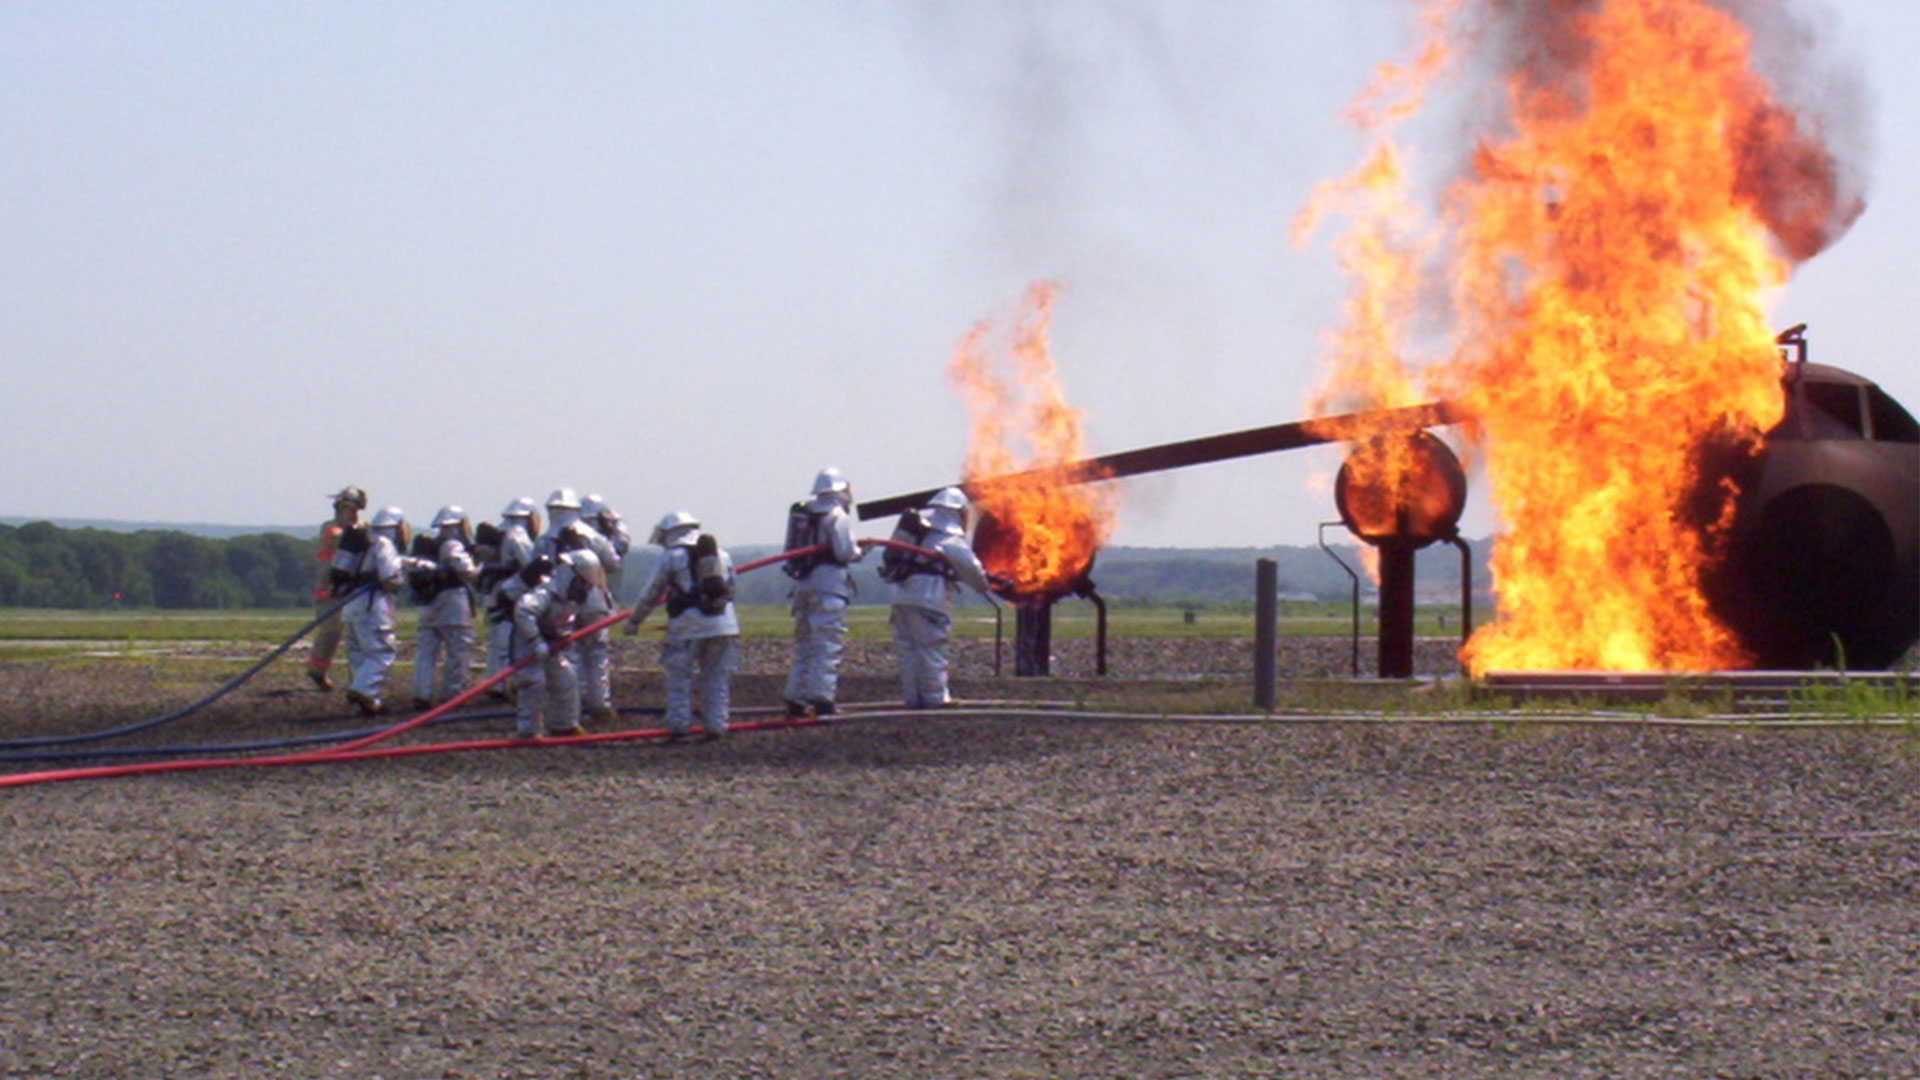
[369, 618]
[701, 650]
[517, 525]
[563, 512]
[594, 653]
[820, 599]
[445, 639]
[607, 521]
[547, 692]
[922, 609]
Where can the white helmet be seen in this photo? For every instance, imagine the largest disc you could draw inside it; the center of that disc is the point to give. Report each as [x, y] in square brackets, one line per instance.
[671, 524]
[947, 511]
[524, 509]
[389, 517]
[585, 564]
[604, 518]
[831, 480]
[563, 499]
[452, 522]
[948, 498]
[830, 489]
[576, 574]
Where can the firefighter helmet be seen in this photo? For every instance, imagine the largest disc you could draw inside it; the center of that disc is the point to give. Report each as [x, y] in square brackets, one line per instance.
[831, 480]
[949, 498]
[671, 524]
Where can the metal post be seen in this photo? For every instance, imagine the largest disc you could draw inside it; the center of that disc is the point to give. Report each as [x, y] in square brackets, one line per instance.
[1266, 618]
[999, 628]
[1099, 633]
[1032, 638]
[1396, 609]
[1355, 578]
[1466, 587]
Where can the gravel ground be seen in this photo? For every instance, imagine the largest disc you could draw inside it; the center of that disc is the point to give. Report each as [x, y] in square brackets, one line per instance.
[962, 895]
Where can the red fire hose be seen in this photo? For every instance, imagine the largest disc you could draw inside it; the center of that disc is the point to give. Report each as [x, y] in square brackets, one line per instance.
[357, 750]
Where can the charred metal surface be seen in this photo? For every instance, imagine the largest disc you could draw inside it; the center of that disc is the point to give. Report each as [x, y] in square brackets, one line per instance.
[997, 544]
[1033, 628]
[1033, 638]
[1396, 609]
[1400, 493]
[1178, 455]
[1823, 561]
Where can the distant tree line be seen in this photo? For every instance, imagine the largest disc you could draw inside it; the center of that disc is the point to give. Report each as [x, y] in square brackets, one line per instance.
[43, 565]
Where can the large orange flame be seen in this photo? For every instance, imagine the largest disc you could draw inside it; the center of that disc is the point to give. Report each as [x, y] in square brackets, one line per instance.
[1025, 426]
[1383, 250]
[1611, 256]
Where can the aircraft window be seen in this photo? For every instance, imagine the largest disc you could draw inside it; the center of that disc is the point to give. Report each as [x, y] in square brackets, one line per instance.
[1891, 423]
[1833, 411]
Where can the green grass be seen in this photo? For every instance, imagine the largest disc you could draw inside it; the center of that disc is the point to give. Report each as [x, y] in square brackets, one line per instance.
[25, 631]
[1857, 699]
[120, 638]
[32, 624]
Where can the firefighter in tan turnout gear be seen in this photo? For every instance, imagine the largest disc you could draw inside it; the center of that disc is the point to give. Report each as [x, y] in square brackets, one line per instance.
[348, 502]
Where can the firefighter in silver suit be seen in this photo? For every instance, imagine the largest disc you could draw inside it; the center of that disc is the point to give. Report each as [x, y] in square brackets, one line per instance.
[501, 580]
[923, 600]
[548, 693]
[371, 557]
[563, 512]
[443, 585]
[599, 530]
[823, 586]
[607, 521]
[703, 630]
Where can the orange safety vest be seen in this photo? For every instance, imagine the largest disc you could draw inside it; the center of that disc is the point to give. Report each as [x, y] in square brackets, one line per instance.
[329, 543]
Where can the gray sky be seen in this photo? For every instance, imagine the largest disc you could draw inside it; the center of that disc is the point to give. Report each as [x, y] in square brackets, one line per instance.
[685, 253]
